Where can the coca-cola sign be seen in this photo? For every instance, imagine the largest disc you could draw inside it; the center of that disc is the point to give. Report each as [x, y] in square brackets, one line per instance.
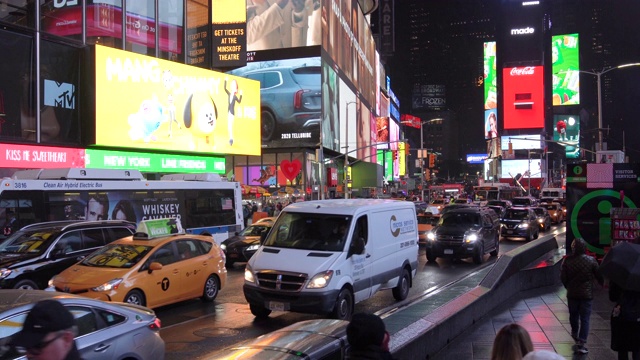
[527, 70]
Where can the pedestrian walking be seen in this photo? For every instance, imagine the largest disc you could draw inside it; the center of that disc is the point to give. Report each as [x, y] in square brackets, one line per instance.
[512, 342]
[625, 322]
[48, 333]
[368, 338]
[578, 273]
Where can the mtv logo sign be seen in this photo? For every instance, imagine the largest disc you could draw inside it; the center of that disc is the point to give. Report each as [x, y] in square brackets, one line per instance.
[60, 95]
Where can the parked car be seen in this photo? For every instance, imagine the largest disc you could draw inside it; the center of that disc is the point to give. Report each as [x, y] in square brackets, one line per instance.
[240, 248]
[544, 220]
[35, 253]
[151, 268]
[290, 97]
[309, 339]
[520, 222]
[465, 232]
[105, 330]
[555, 212]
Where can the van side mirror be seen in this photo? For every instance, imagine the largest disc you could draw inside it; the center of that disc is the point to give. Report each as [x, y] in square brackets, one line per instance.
[357, 246]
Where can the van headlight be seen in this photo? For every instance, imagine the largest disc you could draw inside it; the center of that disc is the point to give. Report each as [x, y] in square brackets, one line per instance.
[248, 274]
[470, 237]
[223, 247]
[4, 273]
[253, 247]
[109, 285]
[320, 280]
[431, 236]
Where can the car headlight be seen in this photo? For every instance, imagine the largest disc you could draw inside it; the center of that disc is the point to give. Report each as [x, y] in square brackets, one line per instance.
[320, 280]
[471, 237]
[540, 221]
[109, 285]
[253, 247]
[4, 273]
[50, 283]
[523, 226]
[223, 247]
[248, 274]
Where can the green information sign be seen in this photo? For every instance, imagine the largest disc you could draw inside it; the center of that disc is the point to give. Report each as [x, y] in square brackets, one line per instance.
[152, 162]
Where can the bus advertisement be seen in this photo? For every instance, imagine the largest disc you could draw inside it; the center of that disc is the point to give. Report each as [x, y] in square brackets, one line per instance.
[204, 203]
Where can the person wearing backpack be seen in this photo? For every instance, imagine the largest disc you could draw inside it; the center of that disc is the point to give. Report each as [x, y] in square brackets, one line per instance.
[625, 322]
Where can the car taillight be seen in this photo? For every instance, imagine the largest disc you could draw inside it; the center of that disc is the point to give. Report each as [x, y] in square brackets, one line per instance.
[155, 325]
[297, 99]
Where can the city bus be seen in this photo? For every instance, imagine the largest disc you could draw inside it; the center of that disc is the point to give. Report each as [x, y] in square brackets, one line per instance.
[204, 203]
[494, 191]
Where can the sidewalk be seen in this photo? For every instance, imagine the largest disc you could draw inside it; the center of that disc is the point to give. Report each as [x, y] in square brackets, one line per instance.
[544, 313]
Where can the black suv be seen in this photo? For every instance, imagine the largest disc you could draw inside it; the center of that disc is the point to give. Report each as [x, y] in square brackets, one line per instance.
[465, 232]
[34, 254]
[520, 222]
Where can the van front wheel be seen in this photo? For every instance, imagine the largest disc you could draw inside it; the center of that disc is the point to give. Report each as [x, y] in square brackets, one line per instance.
[259, 311]
[344, 305]
[401, 291]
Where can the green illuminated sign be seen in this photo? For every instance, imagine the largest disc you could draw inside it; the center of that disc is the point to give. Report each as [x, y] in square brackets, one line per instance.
[565, 59]
[151, 162]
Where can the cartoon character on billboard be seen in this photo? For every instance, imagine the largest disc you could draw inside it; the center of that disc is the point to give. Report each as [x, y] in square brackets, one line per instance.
[167, 81]
[233, 98]
[561, 126]
[200, 115]
[146, 121]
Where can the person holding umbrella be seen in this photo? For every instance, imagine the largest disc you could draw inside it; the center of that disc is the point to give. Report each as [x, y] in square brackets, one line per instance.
[621, 265]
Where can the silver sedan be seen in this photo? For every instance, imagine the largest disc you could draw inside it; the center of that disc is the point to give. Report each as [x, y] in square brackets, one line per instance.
[105, 330]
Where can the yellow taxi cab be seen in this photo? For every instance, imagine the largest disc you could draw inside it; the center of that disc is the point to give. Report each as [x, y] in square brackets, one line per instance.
[425, 224]
[159, 265]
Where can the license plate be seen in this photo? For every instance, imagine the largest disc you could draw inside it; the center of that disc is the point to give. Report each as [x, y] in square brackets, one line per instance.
[448, 251]
[276, 306]
[509, 231]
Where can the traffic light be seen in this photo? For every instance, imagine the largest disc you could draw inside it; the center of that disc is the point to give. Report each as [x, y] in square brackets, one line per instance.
[427, 174]
[395, 155]
[432, 160]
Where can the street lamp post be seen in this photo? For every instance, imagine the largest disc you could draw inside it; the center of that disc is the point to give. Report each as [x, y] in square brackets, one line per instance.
[346, 151]
[598, 75]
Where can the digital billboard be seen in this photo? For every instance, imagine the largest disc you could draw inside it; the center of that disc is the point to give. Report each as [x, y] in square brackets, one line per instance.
[522, 142]
[565, 59]
[382, 132]
[533, 167]
[150, 103]
[521, 32]
[153, 162]
[330, 114]
[273, 27]
[348, 105]
[229, 33]
[490, 91]
[566, 131]
[290, 101]
[523, 97]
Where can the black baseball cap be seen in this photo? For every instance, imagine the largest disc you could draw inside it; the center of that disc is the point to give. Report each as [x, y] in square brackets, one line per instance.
[45, 317]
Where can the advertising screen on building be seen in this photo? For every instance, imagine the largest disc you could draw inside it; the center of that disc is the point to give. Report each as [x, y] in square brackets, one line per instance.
[229, 33]
[290, 99]
[522, 28]
[428, 96]
[533, 167]
[476, 158]
[566, 131]
[382, 129]
[522, 142]
[565, 57]
[149, 103]
[153, 162]
[490, 82]
[270, 27]
[523, 97]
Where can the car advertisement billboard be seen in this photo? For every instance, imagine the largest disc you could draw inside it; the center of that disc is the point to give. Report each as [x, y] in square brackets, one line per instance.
[523, 97]
[290, 101]
[149, 103]
[565, 59]
[566, 131]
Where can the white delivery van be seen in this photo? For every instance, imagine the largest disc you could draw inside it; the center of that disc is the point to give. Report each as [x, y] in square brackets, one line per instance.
[306, 265]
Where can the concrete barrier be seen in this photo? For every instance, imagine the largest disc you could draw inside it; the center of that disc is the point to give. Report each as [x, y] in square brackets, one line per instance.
[533, 265]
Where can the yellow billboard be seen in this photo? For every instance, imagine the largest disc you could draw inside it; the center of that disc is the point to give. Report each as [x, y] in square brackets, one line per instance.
[150, 103]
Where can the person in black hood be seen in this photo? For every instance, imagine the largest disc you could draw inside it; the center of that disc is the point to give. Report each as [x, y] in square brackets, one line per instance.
[578, 273]
[368, 338]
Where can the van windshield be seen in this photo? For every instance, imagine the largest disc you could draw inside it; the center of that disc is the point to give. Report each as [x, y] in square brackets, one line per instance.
[309, 231]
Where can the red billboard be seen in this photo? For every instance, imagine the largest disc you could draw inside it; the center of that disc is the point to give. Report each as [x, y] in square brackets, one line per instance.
[523, 97]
